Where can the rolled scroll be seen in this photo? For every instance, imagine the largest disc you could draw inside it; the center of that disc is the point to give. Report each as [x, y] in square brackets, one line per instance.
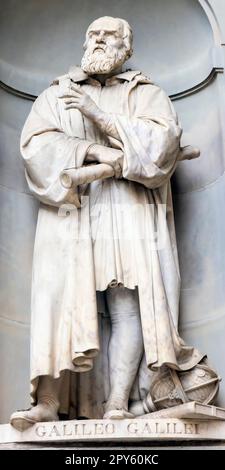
[73, 177]
[188, 153]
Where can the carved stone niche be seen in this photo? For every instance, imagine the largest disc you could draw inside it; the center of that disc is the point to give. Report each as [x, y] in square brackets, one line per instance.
[191, 71]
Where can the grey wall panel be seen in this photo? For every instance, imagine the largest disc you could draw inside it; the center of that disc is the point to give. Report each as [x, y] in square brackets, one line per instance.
[18, 213]
[200, 230]
[215, 10]
[14, 353]
[11, 165]
[13, 112]
[201, 119]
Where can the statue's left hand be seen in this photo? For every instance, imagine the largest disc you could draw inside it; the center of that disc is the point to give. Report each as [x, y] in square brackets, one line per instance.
[78, 99]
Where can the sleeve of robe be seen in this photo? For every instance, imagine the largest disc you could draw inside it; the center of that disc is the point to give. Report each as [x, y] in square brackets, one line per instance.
[150, 138]
[47, 150]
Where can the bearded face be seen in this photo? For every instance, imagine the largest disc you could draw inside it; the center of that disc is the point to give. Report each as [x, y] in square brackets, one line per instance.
[103, 55]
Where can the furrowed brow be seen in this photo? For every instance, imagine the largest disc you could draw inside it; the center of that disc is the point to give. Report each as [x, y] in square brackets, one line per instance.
[106, 31]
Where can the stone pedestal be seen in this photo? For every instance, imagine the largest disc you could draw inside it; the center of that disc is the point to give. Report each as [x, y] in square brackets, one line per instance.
[195, 423]
[129, 430]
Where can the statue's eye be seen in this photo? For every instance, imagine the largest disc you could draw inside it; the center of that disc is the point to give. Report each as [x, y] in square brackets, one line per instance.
[93, 34]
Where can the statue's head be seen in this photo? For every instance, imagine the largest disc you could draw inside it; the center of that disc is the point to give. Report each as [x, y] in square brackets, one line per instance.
[108, 45]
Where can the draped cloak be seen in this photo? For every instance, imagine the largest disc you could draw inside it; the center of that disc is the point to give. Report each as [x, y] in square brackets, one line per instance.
[120, 231]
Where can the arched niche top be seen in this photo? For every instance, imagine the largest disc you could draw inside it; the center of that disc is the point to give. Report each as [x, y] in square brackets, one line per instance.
[40, 39]
[215, 11]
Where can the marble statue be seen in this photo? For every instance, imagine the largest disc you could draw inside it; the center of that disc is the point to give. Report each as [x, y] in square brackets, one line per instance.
[99, 148]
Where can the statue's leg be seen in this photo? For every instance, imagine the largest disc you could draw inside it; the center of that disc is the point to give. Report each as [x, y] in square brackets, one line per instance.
[46, 408]
[125, 348]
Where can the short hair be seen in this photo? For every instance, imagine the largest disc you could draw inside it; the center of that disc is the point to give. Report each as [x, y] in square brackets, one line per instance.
[127, 34]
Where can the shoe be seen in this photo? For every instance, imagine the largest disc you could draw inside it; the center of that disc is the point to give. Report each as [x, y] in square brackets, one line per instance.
[24, 419]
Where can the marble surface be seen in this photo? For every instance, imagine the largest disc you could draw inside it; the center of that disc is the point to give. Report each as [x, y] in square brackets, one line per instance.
[111, 431]
[199, 191]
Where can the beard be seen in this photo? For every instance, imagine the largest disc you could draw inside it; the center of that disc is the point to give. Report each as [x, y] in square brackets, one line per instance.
[104, 59]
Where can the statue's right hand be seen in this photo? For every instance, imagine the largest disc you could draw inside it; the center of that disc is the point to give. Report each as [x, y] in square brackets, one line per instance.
[111, 156]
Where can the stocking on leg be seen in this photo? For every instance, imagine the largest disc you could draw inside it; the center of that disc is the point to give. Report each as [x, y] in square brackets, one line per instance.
[46, 408]
[125, 348]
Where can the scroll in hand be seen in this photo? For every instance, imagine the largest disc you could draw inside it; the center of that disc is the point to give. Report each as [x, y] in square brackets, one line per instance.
[73, 177]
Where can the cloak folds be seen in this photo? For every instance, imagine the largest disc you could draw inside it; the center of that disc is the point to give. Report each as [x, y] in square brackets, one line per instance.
[80, 250]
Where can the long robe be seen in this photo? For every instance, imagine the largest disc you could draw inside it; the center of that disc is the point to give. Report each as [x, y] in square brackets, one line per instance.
[118, 231]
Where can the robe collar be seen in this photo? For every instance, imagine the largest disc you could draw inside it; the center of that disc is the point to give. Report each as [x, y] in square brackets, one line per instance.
[76, 74]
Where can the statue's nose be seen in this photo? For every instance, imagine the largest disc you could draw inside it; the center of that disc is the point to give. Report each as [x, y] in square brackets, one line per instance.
[100, 37]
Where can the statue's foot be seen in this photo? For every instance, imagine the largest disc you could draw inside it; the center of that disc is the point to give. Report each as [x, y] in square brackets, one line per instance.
[117, 409]
[118, 414]
[22, 420]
